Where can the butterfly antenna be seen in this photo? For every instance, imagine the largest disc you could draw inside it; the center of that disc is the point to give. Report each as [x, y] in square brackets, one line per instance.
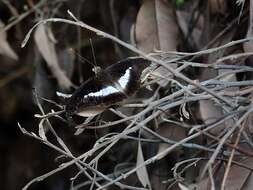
[93, 53]
[83, 59]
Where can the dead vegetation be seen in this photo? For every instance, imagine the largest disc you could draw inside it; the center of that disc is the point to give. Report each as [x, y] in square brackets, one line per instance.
[189, 126]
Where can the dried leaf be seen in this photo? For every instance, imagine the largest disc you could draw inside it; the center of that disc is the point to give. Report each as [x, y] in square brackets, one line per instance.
[171, 132]
[248, 46]
[142, 172]
[184, 112]
[184, 187]
[203, 184]
[42, 130]
[217, 6]
[209, 111]
[156, 29]
[184, 19]
[160, 174]
[145, 27]
[239, 177]
[167, 27]
[5, 48]
[47, 50]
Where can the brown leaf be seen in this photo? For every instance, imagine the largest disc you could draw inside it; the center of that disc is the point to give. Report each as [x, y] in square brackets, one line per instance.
[248, 46]
[203, 184]
[142, 172]
[240, 178]
[5, 48]
[209, 110]
[167, 27]
[47, 50]
[156, 29]
[184, 187]
[184, 19]
[217, 6]
[145, 28]
[209, 113]
[171, 132]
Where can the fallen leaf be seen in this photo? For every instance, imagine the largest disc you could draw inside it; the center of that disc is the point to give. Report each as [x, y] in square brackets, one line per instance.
[184, 187]
[156, 29]
[184, 21]
[145, 27]
[142, 172]
[5, 48]
[240, 178]
[167, 27]
[47, 49]
[217, 6]
[248, 46]
[170, 132]
[159, 174]
[209, 113]
[42, 130]
[203, 184]
[209, 110]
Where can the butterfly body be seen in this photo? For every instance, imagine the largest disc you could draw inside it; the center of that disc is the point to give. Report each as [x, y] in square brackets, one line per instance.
[110, 86]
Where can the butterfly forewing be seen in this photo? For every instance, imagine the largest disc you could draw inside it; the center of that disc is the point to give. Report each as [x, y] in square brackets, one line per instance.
[108, 87]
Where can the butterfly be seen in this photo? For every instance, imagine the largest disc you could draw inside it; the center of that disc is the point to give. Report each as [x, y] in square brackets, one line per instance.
[108, 87]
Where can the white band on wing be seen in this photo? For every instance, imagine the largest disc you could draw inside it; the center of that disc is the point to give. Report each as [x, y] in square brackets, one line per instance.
[120, 86]
[123, 80]
[103, 92]
[60, 94]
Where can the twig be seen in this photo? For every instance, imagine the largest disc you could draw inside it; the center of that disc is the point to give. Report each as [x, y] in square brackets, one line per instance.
[232, 156]
[224, 138]
[24, 15]
[130, 47]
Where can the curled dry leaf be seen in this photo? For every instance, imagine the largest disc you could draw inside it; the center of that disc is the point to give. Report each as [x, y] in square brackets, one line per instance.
[5, 48]
[48, 52]
[156, 29]
[142, 172]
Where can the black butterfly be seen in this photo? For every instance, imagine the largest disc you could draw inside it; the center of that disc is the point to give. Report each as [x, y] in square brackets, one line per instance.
[108, 87]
